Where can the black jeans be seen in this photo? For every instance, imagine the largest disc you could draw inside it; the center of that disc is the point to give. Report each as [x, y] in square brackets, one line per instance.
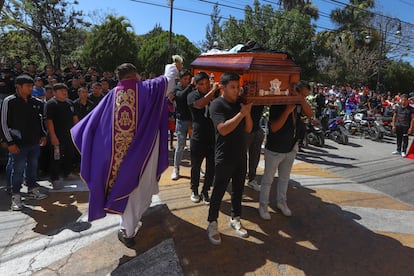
[64, 165]
[402, 138]
[254, 147]
[235, 170]
[199, 151]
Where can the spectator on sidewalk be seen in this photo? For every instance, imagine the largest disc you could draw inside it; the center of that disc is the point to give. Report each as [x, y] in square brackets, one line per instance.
[21, 126]
[38, 89]
[96, 96]
[183, 117]
[403, 125]
[82, 104]
[60, 118]
[232, 121]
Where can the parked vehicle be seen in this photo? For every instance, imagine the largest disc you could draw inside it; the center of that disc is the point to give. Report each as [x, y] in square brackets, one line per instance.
[314, 134]
[335, 130]
[360, 122]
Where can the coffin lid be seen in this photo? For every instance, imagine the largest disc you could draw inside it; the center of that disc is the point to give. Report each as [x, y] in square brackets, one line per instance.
[245, 61]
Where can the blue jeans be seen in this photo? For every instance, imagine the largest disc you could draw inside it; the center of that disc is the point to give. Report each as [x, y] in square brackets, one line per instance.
[27, 159]
[181, 130]
[281, 162]
[9, 169]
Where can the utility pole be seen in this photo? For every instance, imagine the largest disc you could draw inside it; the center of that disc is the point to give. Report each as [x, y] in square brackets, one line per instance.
[171, 3]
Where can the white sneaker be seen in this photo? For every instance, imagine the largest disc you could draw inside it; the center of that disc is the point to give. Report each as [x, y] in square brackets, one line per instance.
[36, 194]
[213, 233]
[263, 211]
[175, 175]
[16, 203]
[403, 154]
[284, 208]
[395, 152]
[253, 185]
[195, 197]
[236, 225]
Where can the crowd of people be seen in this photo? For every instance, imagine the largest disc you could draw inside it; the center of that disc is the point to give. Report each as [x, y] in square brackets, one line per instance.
[335, 102]
[124, 141]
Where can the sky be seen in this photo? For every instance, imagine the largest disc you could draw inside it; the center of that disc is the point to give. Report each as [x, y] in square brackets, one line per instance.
[190, 17]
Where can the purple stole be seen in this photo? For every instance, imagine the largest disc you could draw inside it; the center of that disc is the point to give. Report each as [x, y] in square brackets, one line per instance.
[116, 140]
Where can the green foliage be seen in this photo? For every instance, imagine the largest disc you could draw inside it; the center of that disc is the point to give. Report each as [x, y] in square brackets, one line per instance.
[288, 31]
[399, 77]
[19, 45]
[213, 30]
[52, 24]
[110, 44]
[153, 54]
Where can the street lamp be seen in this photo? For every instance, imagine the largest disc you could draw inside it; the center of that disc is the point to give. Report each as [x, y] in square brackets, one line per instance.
[383, 36]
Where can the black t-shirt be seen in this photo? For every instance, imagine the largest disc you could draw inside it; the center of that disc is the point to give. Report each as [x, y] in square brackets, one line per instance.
[231, 147]
[203, 129]
[256, 113]
[182, 111]
[95, 99]
[82, 110]
[61, 113]
[404, 115]
[374, 103]
[283, 140]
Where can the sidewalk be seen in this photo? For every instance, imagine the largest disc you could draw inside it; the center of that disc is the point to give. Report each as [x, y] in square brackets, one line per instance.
[338, 228]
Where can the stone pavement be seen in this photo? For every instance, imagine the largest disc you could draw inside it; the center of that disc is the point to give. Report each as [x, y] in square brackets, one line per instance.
[338, 227]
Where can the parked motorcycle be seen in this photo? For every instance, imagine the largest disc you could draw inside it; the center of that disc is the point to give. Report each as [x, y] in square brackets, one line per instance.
[335, 130]
[359, 122]
[314, 134]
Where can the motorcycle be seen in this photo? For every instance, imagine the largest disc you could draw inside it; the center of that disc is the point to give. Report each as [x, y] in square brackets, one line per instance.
[314, 134]
[359, 122]
[335, 130]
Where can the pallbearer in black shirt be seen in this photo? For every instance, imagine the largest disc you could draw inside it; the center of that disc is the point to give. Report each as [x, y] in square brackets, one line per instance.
[232, 120]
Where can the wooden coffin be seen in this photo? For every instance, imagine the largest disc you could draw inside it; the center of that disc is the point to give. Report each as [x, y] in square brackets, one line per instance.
[266, 78]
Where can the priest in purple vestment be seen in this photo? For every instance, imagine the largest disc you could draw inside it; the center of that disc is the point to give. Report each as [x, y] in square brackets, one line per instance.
[123, 144]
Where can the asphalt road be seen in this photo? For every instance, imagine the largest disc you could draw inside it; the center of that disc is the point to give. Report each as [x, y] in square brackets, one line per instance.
[367, 162]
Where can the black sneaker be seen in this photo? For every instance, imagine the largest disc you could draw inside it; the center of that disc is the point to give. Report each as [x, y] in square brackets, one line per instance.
[129, 242]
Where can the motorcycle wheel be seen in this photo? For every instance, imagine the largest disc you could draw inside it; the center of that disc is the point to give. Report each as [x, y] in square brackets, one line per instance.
[344, 139]
[321, 140]
[374, 133]
[350, 127]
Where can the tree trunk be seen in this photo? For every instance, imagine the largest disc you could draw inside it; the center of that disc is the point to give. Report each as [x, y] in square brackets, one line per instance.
[1, 5]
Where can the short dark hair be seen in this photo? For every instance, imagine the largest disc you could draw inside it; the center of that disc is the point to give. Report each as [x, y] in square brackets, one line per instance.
[22, 79]
[82, 88]
[48, 87]
[405, 96]
[302, 84]
[124, 70]
[229, 76]
[59, 86]
[96, 84]
[184, 73]
[201, 76]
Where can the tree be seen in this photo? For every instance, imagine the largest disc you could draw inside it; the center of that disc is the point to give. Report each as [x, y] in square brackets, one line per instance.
[399, 77]
[154, 52]
[305, 6]
[53, 26]
[213, 30]
[110, 44]
[18, 45]
[288, 31]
